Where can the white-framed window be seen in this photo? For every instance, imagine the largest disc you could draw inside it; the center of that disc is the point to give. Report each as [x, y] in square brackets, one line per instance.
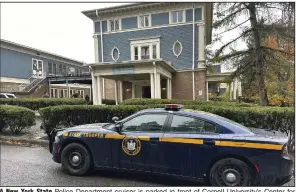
[144, 21]
[177, 16]
[115, 54]
[37, 68]
[145, 49]
[114, 25]
[177, 48]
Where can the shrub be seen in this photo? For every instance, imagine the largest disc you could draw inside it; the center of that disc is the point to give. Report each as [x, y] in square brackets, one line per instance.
[140, 101]
[38, 103]
[275, 118]
[16, 118]
[105, 101]
[68, 116]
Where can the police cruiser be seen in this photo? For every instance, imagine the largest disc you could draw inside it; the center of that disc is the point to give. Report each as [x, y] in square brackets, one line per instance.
[189, 144]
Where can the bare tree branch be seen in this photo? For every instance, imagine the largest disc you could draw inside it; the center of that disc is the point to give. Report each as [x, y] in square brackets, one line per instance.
[229, 17]
[234, 27]
[277, 50]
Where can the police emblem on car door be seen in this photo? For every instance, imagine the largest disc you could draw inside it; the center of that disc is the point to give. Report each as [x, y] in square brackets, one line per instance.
[131, 145]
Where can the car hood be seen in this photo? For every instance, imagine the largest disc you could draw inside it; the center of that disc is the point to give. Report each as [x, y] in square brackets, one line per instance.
[95, 127]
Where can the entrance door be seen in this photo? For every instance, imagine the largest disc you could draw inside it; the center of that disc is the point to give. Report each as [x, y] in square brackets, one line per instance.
[37, 67]
[146, 92]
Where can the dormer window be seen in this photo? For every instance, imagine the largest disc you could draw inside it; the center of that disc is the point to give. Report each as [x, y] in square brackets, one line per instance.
[147, 49]
[113, 25]
[144, 21]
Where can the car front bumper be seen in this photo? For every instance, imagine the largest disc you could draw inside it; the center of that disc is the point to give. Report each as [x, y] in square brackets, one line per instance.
[55, 153]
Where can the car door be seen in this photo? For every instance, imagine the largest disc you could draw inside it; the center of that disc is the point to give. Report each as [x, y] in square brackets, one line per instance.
[187, 145]
[139, 145]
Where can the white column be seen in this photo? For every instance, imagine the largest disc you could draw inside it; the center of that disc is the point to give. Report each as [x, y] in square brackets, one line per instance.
[116, 93]
[99, 91]
[158, 86]
[239, 88]
[94, 88]
[207, 91]
[168, 88]
[96, 44]
[133, 91]
[234, 89]
[120, 92]
[231, 90]
[201, 46]
[170, 85]
[152, 84]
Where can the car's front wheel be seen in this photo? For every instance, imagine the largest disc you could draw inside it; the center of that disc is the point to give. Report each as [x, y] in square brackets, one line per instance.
[76, 159]
[230, 172]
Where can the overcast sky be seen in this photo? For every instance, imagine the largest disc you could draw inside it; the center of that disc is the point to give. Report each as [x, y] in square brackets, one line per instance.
[59, 28]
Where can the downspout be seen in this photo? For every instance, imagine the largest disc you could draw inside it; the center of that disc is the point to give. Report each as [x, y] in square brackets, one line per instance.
[193, 54]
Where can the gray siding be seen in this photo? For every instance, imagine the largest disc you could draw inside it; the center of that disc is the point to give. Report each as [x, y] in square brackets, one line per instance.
[129, 23]
[160, 19]
[19, 65]
[168, 35]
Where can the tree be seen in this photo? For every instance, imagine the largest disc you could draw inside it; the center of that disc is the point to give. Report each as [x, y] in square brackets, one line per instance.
[259, 20]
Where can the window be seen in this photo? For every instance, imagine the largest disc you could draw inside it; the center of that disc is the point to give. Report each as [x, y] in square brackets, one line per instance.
[177, 48]
[190, 124]
[144, 21]
[55, 68]
[50, 69]
[2, 96]
[147, 122]
[145, 52]
[115, 54]
[60, 69]
[145, 49]
[54, 93]
[136, 53]
[81, 93]
[114, 25]
[64, 70]
[177, 16]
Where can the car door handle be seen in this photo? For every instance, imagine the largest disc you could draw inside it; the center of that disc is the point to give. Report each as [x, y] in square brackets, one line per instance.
[209, 142]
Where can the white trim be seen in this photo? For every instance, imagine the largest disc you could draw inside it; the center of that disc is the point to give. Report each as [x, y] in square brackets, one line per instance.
[145, 42]
[155, 27]
[181, 48]
[114, 59]
[109, 27]
[184, 16]
[83, 86]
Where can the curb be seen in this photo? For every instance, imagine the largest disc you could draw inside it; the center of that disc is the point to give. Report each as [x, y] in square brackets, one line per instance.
[21, 141]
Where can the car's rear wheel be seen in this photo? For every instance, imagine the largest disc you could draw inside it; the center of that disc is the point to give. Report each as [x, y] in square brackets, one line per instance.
[76, 159]
[230, 172]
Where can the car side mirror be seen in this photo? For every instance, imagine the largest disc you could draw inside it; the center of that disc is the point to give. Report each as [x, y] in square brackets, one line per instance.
[118, 127]
[115, 119]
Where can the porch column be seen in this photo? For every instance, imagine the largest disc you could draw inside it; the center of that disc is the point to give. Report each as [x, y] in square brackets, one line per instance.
[158, 86]
[133, 91]
[170, 84]
[116, 93]
[207, 91]
[99, 91]
[120, 92]
[152, 84]
[94, 88]
[168, 88]
[231, 90]
[234, 89]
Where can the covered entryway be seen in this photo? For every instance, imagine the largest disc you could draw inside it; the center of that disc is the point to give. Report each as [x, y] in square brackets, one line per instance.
[145, 79]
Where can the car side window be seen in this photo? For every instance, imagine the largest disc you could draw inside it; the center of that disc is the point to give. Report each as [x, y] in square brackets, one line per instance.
[192, 125]
[2, 96]
[146, 122]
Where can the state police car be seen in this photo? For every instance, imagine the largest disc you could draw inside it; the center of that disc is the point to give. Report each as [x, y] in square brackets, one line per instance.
[190, 144]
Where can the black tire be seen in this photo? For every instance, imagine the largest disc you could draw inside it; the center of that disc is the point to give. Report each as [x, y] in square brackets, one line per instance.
[235, 169]
[84, 164]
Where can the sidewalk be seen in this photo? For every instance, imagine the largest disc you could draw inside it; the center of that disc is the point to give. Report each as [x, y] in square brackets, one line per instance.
[30, 136]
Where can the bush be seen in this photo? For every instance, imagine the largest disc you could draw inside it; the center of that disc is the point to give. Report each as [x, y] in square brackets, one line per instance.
[105, 101]
[16, 118]
[275, 118]
[68, 116]
[151, 102]
[38, 103]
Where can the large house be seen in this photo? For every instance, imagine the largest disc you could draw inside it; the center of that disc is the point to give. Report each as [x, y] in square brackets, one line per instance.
[152, 50]
[29, 72]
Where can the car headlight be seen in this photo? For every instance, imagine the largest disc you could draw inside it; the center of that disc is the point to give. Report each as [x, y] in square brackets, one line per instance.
[58, 135]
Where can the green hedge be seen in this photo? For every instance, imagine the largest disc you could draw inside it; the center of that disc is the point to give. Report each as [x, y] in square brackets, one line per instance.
[150, 102]
[38, 103]
[16, 118]
[275, 118]
[67, 116]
